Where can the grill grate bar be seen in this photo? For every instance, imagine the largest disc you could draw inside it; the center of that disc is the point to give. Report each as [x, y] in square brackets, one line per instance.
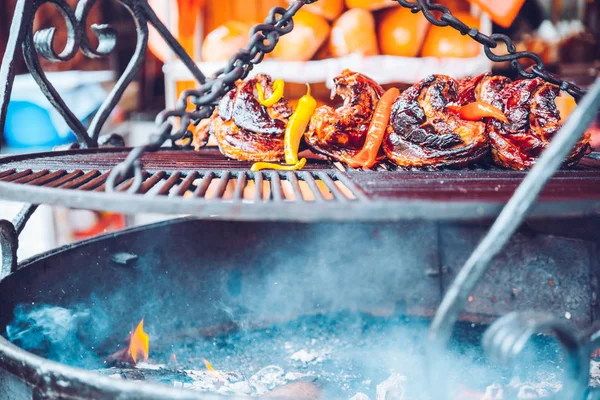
[187, 182]
[16, 176]
[238, 193]
[258, 181]
[48, 178]
[123, 186]
[259, 190]
[204, 184]
[94, 183]
[312, 184]
[169, 183]
[222, 184]
[31, 177]
[276, 187]
[338, 195]
[6, 173]
[82, 180]
[152, 181]
[293, 180]
[65, 178]
[359, 194]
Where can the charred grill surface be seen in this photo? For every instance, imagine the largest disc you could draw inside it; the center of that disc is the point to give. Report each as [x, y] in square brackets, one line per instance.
[423, 132]
[340, 133]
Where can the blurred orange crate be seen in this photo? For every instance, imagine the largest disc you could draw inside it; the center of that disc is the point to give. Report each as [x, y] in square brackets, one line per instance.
[501, 12]
[217, 12]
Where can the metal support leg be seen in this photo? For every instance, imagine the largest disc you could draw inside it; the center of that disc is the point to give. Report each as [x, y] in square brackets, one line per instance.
[7, 69]
[9, 239]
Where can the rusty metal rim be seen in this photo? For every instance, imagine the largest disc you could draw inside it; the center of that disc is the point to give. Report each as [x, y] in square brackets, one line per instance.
[374, 210]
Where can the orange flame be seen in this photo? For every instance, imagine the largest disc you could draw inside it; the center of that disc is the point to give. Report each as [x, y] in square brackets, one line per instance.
[208, 365]
[139, 344]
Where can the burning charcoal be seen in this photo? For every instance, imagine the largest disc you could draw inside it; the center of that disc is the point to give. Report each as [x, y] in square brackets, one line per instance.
[392, 389]
[493, 392]
[215, 381]
[242, 387]
[143, 374]
[298, 391]
[360, 396]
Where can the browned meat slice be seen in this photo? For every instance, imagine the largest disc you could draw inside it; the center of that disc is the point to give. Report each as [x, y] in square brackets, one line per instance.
[340, 133]
[422, 132]
[246, 130]
[485, 88]
[533, 121]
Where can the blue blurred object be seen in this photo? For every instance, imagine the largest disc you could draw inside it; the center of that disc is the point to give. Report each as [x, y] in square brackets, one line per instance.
[29, 125]
[31, 121]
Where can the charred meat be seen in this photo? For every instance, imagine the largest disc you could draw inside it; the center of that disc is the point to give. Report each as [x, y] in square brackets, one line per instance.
[423, 132]
[246, 130]
[485, 88]
[340, 133]
[533, 120]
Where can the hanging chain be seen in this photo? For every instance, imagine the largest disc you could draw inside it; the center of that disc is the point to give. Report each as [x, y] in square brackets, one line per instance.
[264, 38]
[439, 15]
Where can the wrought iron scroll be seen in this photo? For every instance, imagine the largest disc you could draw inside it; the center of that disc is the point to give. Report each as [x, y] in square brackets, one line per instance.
[505, 226]
[41, 44]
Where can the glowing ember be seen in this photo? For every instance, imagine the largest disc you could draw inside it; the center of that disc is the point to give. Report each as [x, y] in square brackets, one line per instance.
[139, 344]
[208, 365]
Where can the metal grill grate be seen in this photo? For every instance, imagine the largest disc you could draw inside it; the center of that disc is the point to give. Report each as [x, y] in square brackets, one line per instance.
[212, 185]
[206, 184]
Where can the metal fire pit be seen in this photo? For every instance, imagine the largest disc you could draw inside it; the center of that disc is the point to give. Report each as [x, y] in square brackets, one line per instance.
[185, 276]
[564, 237]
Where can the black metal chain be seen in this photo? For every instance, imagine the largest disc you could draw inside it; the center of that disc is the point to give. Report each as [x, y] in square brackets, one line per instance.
[440, 15]
[264, 38]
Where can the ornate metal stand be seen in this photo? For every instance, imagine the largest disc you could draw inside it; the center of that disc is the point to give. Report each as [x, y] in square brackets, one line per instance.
[503, 340]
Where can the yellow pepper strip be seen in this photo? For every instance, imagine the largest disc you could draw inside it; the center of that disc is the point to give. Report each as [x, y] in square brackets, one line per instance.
[293, 134]
[297, 125]
[279, 167]
[278, 86]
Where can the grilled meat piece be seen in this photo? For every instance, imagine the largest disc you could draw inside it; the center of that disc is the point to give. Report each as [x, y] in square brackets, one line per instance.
[533, 121]
[422, 132]
[246, 130]
[485, 87]
[340, 133]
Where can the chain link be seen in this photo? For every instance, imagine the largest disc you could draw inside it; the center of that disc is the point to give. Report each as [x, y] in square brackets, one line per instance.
[441, 16]
[264, 38]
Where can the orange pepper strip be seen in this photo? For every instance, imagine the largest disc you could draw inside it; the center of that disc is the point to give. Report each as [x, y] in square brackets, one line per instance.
[367, 157]
[478, 110]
